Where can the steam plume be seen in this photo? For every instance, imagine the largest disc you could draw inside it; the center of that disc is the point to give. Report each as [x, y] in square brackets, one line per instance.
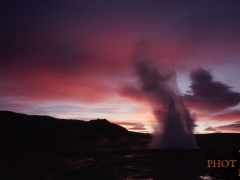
[162, 92]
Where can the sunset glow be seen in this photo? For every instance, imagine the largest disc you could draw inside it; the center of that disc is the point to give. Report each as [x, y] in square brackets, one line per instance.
[73, 59]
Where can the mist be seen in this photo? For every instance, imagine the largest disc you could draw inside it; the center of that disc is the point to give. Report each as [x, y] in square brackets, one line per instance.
[160, 87]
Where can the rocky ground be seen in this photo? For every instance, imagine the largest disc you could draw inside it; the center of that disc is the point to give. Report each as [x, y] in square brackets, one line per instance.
[135, 164]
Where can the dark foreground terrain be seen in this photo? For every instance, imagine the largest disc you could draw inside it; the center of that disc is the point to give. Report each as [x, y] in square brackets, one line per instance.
[134, 164]
[20, 133]
[46, 148]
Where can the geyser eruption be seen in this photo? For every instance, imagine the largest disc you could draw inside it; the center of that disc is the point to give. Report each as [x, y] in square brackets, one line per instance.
[161, 90]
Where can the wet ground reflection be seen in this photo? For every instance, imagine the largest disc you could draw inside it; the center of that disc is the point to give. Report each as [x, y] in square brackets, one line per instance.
[206, 177]
[126, 165]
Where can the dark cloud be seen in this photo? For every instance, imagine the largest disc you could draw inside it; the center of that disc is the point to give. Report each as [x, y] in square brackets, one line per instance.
[209, 95]
[60, 36]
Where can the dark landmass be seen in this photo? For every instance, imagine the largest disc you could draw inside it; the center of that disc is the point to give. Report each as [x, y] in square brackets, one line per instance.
[43, 147]
[148, 164]
[218, 140]
[21, 133]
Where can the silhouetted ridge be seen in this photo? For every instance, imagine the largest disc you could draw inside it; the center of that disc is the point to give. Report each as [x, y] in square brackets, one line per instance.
[20, 132]
[218, 140]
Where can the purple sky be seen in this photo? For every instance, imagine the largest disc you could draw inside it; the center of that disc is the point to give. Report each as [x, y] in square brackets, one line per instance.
[72, 59]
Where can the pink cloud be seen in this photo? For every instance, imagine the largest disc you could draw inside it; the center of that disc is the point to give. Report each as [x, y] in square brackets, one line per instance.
[227, 116]
[234, 127]
[210, 129]
[135, 126]
[133, 93]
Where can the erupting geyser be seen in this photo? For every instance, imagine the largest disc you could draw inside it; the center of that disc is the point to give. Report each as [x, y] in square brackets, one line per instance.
[161, 89]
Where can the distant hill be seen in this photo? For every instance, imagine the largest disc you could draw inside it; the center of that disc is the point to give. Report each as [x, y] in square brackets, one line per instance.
[32, 133]
[218, 140]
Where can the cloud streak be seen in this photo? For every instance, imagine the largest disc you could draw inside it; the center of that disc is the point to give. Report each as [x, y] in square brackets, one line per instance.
[135, 126]
[234, 127]
[210, 129]
[227, 116]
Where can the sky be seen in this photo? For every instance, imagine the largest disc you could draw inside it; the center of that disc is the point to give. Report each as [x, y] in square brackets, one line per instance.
[73, 59]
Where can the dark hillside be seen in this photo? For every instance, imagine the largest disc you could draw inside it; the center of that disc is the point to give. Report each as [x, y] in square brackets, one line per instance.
[31, 133]
[20, 132]
[218, 140]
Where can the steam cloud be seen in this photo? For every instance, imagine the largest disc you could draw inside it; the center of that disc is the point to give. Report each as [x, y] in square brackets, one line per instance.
[162, 92]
